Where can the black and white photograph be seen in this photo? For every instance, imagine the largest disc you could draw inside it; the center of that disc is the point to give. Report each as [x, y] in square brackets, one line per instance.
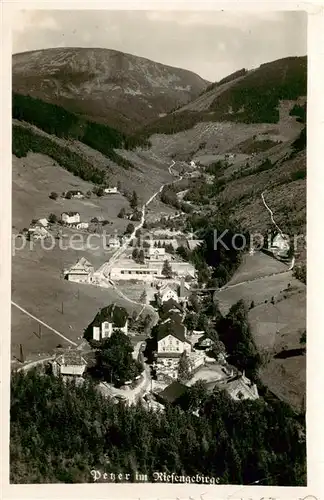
[158, 249]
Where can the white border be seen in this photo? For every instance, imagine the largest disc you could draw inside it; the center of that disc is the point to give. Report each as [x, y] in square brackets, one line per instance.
[315, 335]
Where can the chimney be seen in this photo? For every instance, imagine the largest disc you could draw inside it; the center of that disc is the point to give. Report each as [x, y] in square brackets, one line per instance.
[182, 288]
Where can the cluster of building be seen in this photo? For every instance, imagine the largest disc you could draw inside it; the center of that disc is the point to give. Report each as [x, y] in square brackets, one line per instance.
[173, 340]
[154, 257]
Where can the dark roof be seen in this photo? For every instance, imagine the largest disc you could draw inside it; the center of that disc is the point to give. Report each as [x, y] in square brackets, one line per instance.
[173, 392]
[171, 304]
[171, 328]
[113, 314]
[171, 309]
[173, 316]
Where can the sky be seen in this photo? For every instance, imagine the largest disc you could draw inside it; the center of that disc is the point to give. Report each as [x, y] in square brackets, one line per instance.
[212, 44]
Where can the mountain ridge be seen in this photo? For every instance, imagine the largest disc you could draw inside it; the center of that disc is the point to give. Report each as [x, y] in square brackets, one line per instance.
[80, 79]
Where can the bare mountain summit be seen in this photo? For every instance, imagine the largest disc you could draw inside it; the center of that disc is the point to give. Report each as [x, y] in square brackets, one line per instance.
[122, 90]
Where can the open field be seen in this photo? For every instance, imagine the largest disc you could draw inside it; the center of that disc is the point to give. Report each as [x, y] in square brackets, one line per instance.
[287, 379]
[276, 326]
[258, 291]
[256, 266]
[37, 283]
[38, 287]
[36, 176]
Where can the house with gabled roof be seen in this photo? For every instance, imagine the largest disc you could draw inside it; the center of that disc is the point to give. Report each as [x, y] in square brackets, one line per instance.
[70, 217]
[171, 310]
[171, 339]
[70, 362]
[172, 394]
[239, 387]
[81, 272]
[108, 320]
[166, 293]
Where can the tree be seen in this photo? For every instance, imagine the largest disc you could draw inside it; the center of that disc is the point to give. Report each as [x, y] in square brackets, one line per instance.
[119, 186]
[167, 269]
[130, 228]
[135, 253]
[141, 257]
[190, 321]
[88, 194]
[147, 323]
[53, 195]
[52, 218]
[122, 213]
[218, 348]
[115, 361]
[194, 302]
[134, 200]
[100, 192]
[302, 339]
[184, 368]
[143, 297]
[196, 396]
[136, 216]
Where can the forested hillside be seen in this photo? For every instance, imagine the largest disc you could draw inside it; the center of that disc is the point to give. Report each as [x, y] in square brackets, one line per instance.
[58, 121]
[60, 432]
[244, 97]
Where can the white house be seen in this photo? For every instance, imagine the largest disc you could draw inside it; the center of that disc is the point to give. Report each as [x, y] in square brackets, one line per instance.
[192, 164]
[166, 293]
[153, 253]
[70, 217]
[81, 272]
[111, 190]
[108, 320]
[171, 340]
[69, 363]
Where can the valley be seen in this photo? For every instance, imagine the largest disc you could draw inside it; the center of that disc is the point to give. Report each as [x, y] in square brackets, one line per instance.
[156, 313]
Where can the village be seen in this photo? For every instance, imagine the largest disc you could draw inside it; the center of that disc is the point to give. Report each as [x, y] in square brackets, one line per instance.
[168, 354]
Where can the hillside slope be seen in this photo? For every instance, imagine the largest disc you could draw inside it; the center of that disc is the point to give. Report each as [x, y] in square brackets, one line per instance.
[122, 90]
[251, 97]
